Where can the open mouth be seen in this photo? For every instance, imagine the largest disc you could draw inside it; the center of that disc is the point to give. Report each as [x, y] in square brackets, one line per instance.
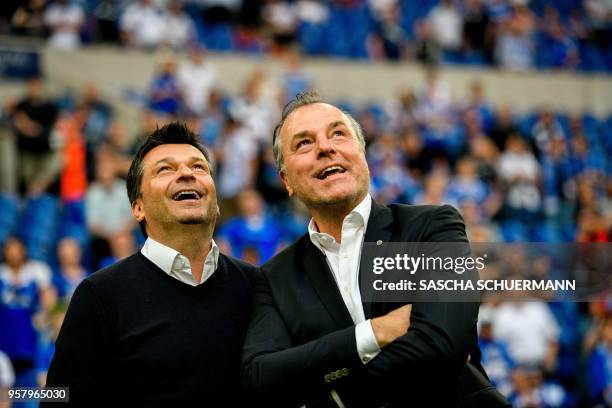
[329, 171]
[186, 195]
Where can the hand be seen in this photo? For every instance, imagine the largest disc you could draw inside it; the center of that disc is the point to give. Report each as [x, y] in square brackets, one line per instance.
[392, 325]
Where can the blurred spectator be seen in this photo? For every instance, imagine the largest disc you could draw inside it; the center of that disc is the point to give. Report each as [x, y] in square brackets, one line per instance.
[313, 11]
[178, 28]
[116, 147]
[402, 115]
[71, 144]
[436, 116]
[142, 25]
[503, 127]
[514, 48]
[495, 358]
[29, 19]
[281, 20]
[544, 131]
[255, 109]
[212, 121]
[530, 389]
[237, 160]
[33, 119]
[598, 363]
[446, 23]
[520, 172]
[391, 181]
[416, 160]
[599, 13]
[218, 11]
[388, 38]
[478, 105]
[70, 271]
[97, 115]
[484, 151]
[466, 186]
[122, 245]
[106, 14]
[65, 20]
[165, 95]
[593, 227]
[426, 48]
[252, 229]
[108, 210]
[478, 226]
[148, 122]
[559, 49]
[47, 346]
[584, 160]
[269, 183]
[25, 289]
[197, 78]
[295, 79]
[434, 193]
[477, 38]
[530, 331]
[560, 189]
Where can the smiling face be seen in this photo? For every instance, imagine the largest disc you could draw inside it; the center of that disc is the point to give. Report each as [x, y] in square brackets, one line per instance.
[323, 162]
[177, 189]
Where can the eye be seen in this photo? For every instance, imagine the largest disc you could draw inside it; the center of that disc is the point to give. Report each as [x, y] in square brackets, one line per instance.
[199, 167]
[301, 143]
[338, 133]
[163, 169]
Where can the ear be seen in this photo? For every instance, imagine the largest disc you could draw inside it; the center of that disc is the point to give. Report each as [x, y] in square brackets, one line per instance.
[138, 210]
[285, 181]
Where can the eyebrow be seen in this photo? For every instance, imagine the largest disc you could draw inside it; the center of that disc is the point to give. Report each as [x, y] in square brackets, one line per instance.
[332, 125]
[192, 159]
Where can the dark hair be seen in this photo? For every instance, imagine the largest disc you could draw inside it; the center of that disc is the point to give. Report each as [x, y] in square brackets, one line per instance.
[172, 133]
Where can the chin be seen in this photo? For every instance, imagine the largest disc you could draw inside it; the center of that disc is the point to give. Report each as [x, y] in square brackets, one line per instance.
[192, 219]
[336, 199]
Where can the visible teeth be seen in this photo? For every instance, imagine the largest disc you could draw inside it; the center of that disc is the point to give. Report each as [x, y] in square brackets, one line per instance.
[188, 193]
[324, 173]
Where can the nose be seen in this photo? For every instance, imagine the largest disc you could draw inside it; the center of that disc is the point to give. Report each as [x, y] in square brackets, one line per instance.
[325, 146]
[185, 171]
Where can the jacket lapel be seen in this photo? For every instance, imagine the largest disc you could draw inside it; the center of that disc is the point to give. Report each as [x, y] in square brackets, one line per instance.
[325, 285]
[379, 229]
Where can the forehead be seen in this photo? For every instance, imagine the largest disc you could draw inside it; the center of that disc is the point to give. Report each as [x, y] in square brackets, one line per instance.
[312, 118]
[174, 152]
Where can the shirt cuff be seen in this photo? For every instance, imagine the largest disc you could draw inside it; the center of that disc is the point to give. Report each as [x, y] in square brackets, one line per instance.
[367, 347]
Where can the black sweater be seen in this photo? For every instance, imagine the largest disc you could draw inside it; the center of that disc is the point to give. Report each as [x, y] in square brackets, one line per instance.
[135, 336]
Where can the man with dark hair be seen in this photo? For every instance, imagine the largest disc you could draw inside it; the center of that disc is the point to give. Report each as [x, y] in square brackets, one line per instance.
[312, 340]
[165, 326]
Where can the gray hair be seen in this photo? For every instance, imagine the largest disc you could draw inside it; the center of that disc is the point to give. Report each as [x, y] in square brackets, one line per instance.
[304, 99]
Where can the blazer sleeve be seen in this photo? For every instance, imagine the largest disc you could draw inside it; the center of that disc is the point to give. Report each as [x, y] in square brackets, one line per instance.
[82, 351]
[440, 333]
[273, 365]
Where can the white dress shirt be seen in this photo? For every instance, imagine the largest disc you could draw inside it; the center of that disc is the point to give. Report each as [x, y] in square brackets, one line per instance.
[176, 265]
[343, 259]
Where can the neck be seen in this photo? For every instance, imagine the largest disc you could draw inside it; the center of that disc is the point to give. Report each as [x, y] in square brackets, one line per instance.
[192, 241]
[329, 218]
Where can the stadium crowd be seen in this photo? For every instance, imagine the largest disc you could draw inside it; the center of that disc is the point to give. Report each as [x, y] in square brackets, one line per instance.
[513, 34]
[541, 176]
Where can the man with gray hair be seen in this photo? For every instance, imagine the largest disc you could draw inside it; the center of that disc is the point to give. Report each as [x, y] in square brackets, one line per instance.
[312, 340]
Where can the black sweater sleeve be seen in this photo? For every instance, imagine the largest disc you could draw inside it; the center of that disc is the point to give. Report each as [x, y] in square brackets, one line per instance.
[82, 351]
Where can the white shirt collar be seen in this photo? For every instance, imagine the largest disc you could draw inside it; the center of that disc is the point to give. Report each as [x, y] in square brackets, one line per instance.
[177, 265]
[358, 217]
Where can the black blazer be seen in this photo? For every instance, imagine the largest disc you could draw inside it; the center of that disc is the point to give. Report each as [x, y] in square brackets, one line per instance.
[300, 347]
